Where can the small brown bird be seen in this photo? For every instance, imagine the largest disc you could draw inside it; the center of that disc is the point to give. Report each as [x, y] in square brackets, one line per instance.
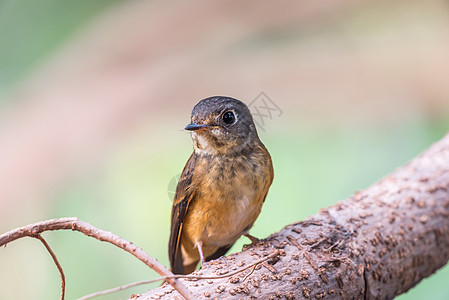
[222, 187]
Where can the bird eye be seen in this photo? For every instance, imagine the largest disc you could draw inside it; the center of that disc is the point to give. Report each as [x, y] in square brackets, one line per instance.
[228, 117]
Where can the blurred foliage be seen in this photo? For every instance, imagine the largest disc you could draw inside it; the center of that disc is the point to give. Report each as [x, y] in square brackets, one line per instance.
[30, 30]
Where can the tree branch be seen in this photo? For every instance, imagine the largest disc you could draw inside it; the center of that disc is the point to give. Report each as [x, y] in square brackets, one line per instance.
[194, 277]
[75, 224]
[377, 244]
[55, 260]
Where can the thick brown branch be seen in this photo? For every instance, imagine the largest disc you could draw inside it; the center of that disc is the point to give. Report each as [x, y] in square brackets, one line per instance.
[377, 244]
[75, 224]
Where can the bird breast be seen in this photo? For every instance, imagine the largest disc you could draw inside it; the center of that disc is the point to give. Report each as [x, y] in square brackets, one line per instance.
[228, 199]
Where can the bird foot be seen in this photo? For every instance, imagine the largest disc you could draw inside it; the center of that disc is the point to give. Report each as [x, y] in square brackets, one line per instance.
[204, 265]
[254, 240]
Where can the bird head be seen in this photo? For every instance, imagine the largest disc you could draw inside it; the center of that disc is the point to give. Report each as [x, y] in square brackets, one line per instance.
[222, 125]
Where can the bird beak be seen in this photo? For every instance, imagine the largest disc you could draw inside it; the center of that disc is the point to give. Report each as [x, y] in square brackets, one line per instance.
[194, 126]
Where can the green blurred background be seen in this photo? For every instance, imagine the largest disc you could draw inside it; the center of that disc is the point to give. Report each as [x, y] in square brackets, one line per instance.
[94, 96]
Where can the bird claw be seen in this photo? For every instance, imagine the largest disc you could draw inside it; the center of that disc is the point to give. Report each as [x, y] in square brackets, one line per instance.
[204, 265]
[254, 240]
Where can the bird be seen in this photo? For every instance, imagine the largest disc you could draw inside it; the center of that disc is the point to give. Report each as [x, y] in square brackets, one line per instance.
[223, 186]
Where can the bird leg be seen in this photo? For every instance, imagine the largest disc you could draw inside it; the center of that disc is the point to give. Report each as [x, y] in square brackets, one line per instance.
[200, 250]
[254, 240]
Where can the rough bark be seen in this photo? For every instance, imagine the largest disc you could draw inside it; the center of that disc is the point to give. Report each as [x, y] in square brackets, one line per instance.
[377, 244]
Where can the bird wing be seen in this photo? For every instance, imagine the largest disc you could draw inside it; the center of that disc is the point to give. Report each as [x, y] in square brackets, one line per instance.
[183, 198]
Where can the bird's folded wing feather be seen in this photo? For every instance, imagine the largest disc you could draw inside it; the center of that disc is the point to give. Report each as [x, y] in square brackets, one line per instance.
[183, 197]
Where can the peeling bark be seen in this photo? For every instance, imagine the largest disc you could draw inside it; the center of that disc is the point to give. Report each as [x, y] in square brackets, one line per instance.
[377, 244]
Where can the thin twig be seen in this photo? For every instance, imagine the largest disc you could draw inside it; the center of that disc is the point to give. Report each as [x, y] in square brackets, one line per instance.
[116, 289]
[130, 285]
[77, 225]
[249, 274]
[58, 265]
